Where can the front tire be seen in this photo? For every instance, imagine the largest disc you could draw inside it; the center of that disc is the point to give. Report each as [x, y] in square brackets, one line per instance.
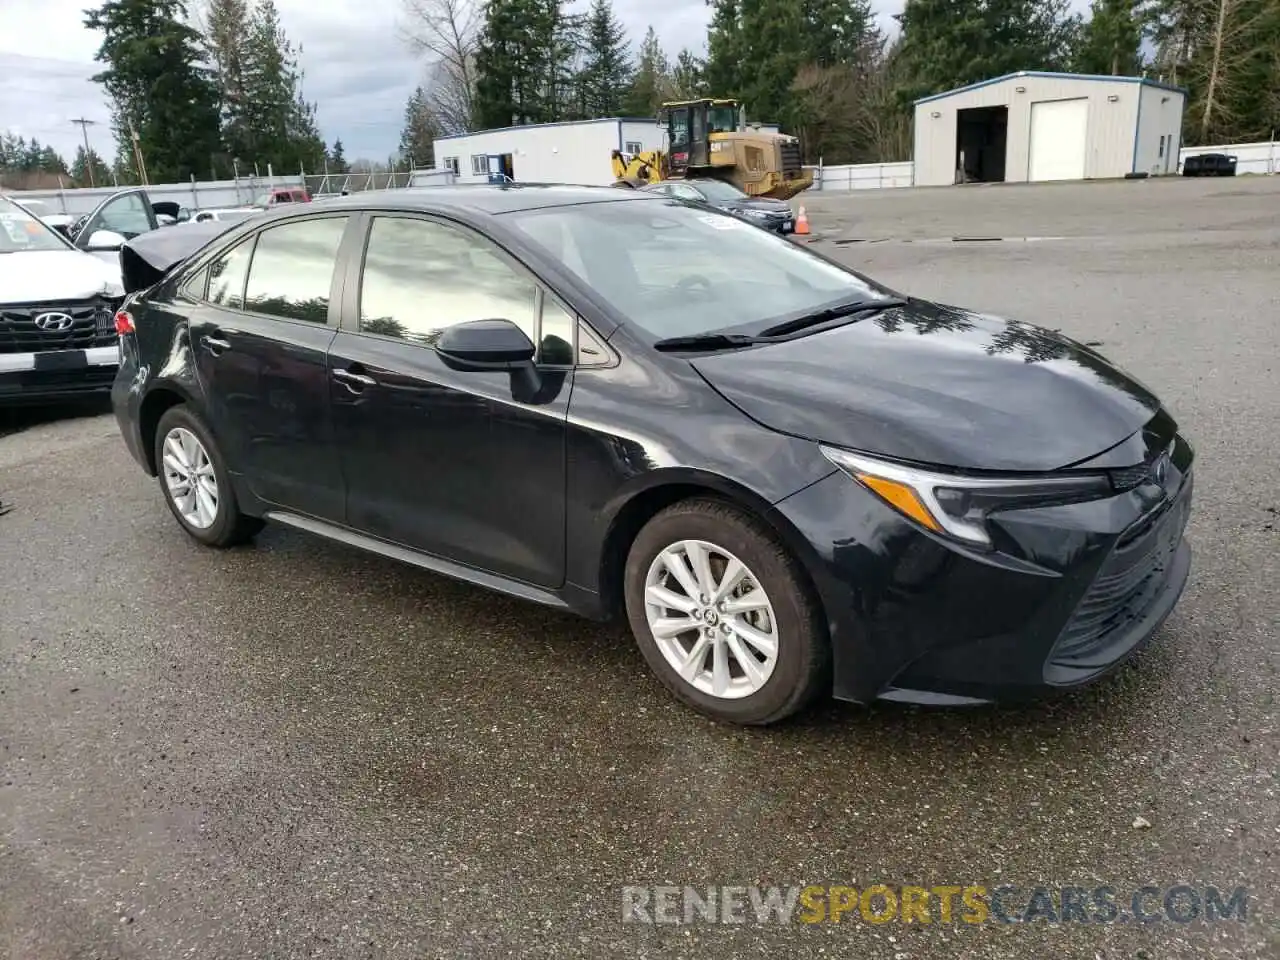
[195, 482]
[724, 614]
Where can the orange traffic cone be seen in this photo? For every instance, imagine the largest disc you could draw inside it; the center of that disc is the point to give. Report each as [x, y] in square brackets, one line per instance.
[802, 223]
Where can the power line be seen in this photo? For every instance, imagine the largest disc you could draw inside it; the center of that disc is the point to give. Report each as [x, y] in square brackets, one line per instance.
[88, 153]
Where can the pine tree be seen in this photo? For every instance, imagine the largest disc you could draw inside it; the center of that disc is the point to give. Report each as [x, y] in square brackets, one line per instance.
[419, 132]
[89, 169]
[1111, 41]
[521, 59]
[278, 123]
[652, 82]
[336, 160]
[606, 69]
[156, 84]
[950, 43]
[687, 78]
[724, 71]
[226, 35]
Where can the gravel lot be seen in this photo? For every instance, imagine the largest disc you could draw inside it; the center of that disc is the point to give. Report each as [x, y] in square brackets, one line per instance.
[296, 750]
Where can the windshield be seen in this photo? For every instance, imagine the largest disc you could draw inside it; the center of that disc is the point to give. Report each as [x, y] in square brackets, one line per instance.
[20, 231]
[673, 270]
[718, 190]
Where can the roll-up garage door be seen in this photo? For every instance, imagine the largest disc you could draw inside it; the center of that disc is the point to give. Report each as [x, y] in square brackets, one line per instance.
[1058, 137]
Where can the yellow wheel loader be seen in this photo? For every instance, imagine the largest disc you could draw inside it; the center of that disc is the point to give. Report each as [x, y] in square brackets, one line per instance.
[706, 138]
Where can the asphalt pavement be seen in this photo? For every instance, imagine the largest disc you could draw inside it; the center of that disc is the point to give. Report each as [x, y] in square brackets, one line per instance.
[296, 750]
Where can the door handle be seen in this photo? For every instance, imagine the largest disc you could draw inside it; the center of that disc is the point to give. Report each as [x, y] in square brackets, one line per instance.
[214, 345]
[354, 381]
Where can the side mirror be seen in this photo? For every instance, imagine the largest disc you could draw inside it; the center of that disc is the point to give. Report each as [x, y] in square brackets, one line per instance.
[104, 240]
[485, 345]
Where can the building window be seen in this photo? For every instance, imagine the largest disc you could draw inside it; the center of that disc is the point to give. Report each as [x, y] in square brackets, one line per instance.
[451, 163]
[1162, 147]
[634, 147]
[479, 165]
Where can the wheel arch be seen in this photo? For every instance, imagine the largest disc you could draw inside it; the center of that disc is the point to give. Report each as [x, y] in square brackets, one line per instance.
[161, 397]
[641, 504]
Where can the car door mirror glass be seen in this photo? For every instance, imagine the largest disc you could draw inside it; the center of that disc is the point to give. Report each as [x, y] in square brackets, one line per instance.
[485, 345]
[104, 240]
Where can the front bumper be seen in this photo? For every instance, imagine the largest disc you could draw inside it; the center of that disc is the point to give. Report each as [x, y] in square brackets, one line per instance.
[1070, 593]
[57, 374]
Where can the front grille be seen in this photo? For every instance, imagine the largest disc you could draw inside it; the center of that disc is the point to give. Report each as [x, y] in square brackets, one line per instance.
[92, 325]
[1126, 585]
[791, 166]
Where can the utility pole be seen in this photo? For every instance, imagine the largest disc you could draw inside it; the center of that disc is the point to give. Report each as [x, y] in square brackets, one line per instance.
[88, 153]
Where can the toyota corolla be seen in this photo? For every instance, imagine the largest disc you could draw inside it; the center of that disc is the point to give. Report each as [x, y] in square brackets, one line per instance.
[789, 479]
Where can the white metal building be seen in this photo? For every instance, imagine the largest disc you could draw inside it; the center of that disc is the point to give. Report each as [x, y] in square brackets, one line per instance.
[571, 152]
[1033, 126]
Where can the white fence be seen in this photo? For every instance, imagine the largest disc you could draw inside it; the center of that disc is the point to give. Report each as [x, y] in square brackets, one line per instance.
[1261, 158]
[863, 176]
[1256, 158]
[208, 194]
[195, 195]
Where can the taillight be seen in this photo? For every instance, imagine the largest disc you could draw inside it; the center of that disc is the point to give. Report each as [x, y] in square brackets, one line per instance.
[124, 322]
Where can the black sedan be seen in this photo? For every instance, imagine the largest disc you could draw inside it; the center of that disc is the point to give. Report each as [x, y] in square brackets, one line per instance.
[766, 212]
[788, 478]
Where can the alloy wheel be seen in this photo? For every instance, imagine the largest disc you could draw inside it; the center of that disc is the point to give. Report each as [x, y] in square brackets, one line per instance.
[711, 619]
[190, 479]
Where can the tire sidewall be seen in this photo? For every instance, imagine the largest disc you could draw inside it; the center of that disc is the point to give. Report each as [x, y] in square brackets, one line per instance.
[768, 562]
[220, 529]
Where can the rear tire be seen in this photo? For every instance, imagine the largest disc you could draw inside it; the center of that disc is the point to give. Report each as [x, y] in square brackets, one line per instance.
[195, 481]
[744, 642]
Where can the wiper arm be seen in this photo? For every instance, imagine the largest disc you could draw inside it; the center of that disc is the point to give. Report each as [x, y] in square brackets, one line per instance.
[830, 313]
[707, 341]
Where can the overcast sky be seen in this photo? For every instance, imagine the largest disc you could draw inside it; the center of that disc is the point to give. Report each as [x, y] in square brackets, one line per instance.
[357, 71]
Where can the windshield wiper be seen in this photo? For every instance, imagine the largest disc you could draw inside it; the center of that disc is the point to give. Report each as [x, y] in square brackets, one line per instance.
[830, 313]
[707, 341]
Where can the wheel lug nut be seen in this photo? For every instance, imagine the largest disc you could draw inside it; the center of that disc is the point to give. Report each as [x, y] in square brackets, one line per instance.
[704, 599]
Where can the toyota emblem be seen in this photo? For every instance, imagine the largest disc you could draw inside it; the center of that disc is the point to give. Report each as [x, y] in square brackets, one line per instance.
[54, 322]
[1160, 469]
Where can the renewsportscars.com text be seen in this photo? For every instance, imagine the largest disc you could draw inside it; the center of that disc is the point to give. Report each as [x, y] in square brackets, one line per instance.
[945, 904]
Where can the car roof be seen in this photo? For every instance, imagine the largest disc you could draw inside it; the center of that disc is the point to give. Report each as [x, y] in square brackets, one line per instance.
[480, 198]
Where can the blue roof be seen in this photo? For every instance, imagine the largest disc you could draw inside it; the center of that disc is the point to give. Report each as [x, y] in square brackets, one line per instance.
[1055, 76]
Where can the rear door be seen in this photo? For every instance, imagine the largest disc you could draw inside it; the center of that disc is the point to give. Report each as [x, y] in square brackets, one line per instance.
[466, 465]
[260, 338]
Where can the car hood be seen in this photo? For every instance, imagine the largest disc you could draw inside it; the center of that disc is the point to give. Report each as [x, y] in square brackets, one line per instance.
[938, 385]
[40, 276]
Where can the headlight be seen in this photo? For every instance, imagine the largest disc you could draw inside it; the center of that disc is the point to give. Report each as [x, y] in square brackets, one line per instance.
[959, 506]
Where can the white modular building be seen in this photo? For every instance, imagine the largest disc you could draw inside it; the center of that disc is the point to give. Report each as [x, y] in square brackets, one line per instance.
[576, 152]
[1033, 126]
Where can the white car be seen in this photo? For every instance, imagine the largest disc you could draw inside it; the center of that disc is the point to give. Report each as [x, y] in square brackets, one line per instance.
[57, 313]
[227, 215]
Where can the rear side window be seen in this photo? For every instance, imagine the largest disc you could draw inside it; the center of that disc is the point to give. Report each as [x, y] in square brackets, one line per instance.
[227, 275]
[292, 269]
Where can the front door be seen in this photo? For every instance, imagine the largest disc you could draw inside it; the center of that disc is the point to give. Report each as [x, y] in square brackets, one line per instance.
[260, 340]
[468, 466]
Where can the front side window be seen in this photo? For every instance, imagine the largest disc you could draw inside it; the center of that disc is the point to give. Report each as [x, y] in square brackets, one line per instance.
[674, 270]
[125, 215]
[421, 277]
[292, 269]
